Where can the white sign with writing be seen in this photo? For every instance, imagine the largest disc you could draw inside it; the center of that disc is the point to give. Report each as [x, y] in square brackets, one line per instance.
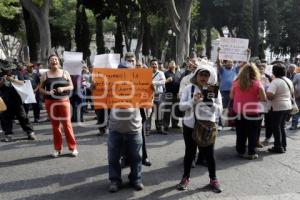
[25, 91]
[234, 49]
[73, 62]
[107, 61]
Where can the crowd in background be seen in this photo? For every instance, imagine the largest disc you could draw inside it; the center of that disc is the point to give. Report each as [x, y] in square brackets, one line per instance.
[256, 98]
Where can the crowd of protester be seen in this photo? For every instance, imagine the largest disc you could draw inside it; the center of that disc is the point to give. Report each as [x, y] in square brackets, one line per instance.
[257, 99]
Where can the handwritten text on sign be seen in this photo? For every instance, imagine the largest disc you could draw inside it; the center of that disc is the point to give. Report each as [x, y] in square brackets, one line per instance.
[234, 49]
[122, 88]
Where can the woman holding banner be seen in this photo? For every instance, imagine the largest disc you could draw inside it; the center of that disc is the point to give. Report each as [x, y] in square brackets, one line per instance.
[56, 85]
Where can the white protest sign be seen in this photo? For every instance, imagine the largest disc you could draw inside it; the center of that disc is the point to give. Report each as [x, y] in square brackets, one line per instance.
[214, 50]
[107, 61]
[25, 91]
[73, 62]
[234, 49]
[269, 70]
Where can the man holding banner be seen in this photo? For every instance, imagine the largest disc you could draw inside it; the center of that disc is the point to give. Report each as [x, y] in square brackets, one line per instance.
[125, 92]
[13, 102]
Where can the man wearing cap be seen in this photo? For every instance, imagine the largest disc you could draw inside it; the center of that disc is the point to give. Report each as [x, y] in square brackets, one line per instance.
[13, 102]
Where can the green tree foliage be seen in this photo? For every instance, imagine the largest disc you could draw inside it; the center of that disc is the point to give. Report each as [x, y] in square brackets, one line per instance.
[9, 8]
[62, 22]
[10, 18]
[290, 26]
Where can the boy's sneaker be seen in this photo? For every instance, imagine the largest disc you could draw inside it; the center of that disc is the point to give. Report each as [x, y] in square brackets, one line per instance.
[56, 154]
[293, 127]
[114, 187]
[74, 153]
[184, 183]
[7, 138]
[215, 186]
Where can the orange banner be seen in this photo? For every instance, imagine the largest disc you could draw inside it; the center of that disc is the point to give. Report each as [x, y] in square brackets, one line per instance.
[122, 88]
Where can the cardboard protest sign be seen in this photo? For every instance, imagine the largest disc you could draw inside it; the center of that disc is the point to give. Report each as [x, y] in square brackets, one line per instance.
[25, 91]
[234, 49]
[107, 61]
[269, 70]
[73, 62]
[122, 88]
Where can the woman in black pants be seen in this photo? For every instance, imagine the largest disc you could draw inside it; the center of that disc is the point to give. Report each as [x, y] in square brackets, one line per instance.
[194, 103]
[280, 93]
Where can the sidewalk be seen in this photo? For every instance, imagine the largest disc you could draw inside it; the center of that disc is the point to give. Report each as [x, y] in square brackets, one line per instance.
[29, 173]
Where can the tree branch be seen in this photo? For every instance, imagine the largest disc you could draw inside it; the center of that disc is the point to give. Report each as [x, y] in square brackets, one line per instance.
[174, 16]
[45, 7]
[32, 8]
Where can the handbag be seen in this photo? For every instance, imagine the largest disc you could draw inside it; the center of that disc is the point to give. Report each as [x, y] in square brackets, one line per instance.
[3, 106]
[295, 108]
[204, 133]
[228, 115]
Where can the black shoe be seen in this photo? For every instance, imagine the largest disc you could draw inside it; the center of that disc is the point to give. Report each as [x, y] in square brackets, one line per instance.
[162, 132]
[138, 186]
[176, 127]
[114, 187]
[166, 128]
[7, 138]
[101, 131]
[276, 150]
[146, 162]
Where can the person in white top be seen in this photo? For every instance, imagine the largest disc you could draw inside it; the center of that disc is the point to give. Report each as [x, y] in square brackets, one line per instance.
[194, 102]
[158, 82]
[279, 92]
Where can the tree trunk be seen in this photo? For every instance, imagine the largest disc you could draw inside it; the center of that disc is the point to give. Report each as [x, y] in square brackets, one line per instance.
[208, 42]
[181, 26]
[41, 15]
[82, 32]
[99, 36]
[255, 44]
[141, 34]
[147, 39]
[118, 39]
[32, 37]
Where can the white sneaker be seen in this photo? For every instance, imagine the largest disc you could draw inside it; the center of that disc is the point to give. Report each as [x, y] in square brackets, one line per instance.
[55, 154]
[74, 153]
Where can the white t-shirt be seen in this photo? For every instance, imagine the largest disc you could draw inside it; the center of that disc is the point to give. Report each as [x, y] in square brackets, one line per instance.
[158, 81]
[282, 94]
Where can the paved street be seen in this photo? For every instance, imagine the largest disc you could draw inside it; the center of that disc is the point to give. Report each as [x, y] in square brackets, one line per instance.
[28, 172]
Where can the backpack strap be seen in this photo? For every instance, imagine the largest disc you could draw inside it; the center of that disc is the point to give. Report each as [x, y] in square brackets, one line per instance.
[155, 75]
[292, 95]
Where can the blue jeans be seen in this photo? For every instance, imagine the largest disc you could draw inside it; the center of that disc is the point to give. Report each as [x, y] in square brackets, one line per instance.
[131, 145]
[295, 118]
[225, 98]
